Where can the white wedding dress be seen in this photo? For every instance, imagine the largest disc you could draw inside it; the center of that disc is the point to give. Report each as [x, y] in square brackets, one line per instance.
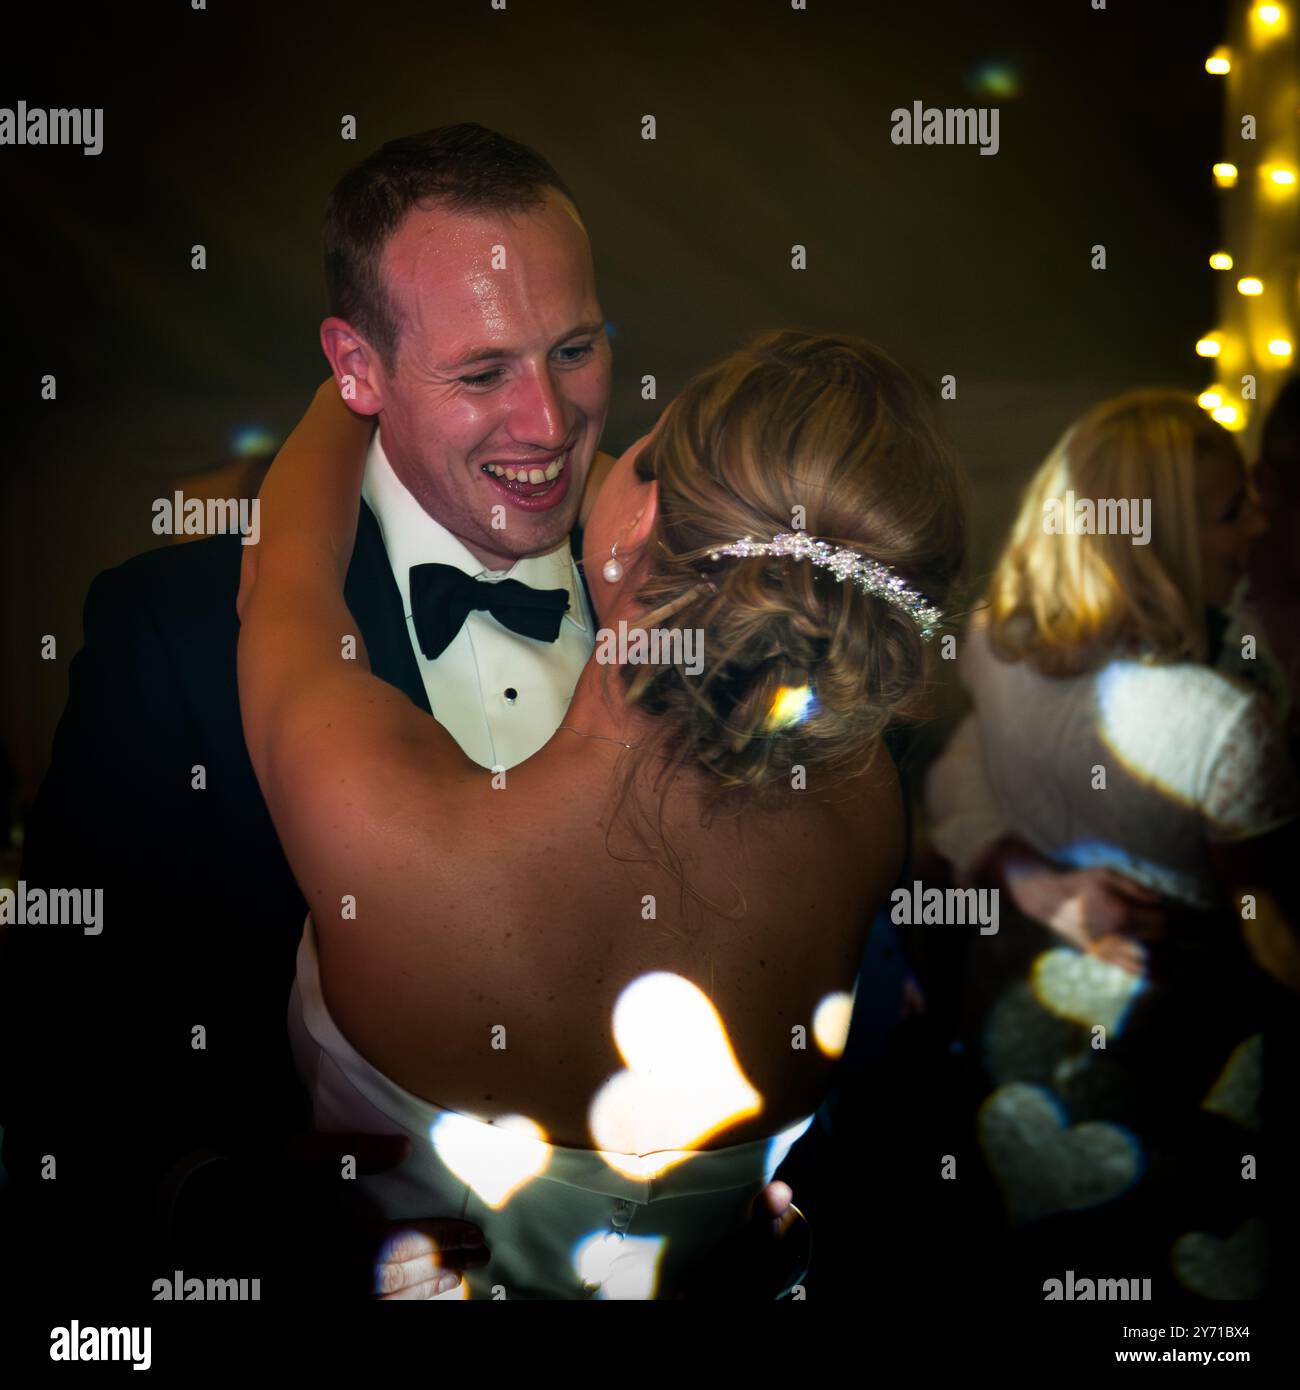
[560, 1223]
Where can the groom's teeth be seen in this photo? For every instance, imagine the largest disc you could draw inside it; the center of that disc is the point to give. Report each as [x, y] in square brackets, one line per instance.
[529, 475]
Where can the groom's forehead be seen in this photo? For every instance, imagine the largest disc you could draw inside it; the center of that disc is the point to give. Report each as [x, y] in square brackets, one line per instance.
[482, 263]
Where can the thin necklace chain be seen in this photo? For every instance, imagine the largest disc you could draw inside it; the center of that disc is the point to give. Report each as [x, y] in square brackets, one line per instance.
[603, 737]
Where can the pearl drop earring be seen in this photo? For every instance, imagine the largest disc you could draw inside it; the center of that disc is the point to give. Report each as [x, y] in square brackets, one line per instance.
[613, 570]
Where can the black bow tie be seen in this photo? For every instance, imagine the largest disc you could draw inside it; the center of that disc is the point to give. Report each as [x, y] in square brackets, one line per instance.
[442, 596]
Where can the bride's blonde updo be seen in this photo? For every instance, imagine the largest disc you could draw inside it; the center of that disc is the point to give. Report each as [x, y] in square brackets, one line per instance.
[795, 431]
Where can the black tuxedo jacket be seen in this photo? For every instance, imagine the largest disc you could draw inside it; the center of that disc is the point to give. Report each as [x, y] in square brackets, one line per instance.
[123, 1053]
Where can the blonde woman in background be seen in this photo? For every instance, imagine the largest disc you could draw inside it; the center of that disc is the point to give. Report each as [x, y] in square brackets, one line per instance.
[1093, 653]
[1107, 762]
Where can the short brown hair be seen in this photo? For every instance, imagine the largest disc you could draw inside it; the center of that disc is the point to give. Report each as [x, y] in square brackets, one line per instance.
[462, 168]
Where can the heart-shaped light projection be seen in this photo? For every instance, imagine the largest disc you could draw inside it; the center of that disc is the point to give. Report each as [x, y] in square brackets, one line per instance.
[1133, 702]
[1236, 1094]
[1084, 989]
[617, 1266]
[496, 1159]
[682, 1083]
[831, 1021]
[1045, 1166]
[1231, 1267]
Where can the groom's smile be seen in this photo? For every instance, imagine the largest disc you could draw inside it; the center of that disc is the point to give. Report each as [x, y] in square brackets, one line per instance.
[535, 483]
[493, 407]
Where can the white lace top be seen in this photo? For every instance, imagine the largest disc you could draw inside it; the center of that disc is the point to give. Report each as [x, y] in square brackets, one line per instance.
[1135, 766]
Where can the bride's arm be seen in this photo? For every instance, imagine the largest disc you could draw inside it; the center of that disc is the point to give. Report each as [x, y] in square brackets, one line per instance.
[312, 491]
[293, 621]
[335, 748]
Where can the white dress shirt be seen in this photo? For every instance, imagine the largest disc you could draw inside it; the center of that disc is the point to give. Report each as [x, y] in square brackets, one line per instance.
[500, 695]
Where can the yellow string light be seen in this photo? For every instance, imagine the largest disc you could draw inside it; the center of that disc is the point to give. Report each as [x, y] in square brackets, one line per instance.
[1278, 182]
[1267, 22]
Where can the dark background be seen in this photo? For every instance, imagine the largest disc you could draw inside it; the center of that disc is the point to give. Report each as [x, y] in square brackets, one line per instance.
[223, 127]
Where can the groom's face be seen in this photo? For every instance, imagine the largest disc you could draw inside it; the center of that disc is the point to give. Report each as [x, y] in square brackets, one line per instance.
[503, 366]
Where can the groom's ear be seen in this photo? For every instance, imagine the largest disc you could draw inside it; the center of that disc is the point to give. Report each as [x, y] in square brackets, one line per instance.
[355, 365]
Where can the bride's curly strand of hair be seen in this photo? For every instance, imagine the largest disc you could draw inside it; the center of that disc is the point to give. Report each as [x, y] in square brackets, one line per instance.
[831, 426]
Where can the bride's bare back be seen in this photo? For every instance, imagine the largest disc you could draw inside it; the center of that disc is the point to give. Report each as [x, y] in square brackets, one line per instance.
[486, 960]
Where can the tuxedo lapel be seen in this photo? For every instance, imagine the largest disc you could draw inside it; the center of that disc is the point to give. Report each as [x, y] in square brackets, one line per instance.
[373, 598]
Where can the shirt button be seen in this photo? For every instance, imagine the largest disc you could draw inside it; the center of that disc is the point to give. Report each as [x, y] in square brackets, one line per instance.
[511, 694]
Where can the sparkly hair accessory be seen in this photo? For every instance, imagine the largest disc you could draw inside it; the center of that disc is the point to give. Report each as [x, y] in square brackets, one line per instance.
[869, 575]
